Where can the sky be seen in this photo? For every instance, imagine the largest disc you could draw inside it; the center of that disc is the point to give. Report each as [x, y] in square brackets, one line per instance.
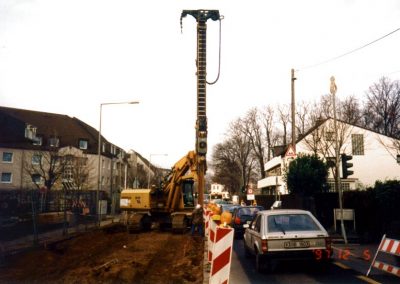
[70, 56]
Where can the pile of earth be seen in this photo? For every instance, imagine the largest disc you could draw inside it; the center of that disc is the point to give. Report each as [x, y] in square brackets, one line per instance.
[111, 255]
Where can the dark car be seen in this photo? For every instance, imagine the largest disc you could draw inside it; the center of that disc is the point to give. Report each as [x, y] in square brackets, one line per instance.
[243, 215]
[229, 207]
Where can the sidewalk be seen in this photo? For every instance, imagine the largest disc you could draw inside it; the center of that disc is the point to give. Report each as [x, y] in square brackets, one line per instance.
[15, 246]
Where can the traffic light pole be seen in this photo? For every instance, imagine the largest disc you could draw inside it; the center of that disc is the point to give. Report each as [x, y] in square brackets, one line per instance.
[337, 176]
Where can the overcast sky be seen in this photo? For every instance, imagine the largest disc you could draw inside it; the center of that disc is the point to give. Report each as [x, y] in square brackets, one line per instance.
[69, 56]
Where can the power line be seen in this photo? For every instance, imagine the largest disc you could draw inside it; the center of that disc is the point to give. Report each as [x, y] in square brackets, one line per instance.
[349, 52]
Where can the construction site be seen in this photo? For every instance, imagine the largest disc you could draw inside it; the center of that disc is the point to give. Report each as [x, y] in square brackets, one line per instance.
[109, 255]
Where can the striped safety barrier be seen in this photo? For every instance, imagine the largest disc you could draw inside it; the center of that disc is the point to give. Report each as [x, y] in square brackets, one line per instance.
[206, 214]
[211, 237]
[390, 246]
[221, 255]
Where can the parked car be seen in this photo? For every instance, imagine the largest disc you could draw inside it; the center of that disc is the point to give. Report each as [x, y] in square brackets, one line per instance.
[228, 207]
[242, 215]
[286, 234]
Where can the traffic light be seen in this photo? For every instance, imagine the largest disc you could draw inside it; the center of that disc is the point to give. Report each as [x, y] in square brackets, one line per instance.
[346, 165]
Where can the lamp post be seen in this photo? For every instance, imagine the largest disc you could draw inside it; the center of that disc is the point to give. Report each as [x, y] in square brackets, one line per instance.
[99, 181]
[148, 178]
[333, 89]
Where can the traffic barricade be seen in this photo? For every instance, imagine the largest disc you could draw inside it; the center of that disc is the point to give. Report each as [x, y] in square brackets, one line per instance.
[390, 246]
[206, 215]
[221, 255]
[213, 224]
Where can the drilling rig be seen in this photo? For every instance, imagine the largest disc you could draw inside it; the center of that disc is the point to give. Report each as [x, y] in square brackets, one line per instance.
[172, 203]
[201, 17]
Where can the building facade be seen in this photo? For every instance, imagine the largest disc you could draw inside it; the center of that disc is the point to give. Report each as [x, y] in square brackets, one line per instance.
[374, 156]
[42, 150]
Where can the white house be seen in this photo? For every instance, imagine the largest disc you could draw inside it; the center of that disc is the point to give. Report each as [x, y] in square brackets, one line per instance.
[374, 156]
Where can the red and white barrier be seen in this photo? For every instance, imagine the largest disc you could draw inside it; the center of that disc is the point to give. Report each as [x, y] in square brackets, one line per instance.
[221, 255]
[211, 237]
[206, 214]
[390, 246]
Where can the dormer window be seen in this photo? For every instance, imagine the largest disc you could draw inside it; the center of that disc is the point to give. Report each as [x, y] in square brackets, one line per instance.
[83, 144]
[54, 142]
[38, 140]
[103, 148]
[30, 132]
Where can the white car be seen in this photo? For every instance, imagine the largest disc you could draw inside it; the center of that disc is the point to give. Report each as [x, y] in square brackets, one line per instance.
[286, 234]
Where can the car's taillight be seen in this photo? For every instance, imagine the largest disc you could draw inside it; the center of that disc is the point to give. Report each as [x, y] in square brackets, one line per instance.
[328, 243]
[264, 245]
[237, 220]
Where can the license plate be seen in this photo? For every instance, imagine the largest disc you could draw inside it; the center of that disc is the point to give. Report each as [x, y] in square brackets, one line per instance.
[296, 244]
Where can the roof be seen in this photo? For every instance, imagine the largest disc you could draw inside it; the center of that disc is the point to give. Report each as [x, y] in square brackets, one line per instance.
[68, 129]
[285, 211]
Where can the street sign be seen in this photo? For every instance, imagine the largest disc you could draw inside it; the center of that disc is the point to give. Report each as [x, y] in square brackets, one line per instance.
[290, 152]
[250, 197]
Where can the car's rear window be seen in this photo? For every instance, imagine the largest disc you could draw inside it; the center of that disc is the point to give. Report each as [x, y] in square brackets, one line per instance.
[251, 211]
[291, 222]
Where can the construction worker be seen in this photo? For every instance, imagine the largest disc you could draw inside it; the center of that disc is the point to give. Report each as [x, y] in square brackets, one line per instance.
[197, 220]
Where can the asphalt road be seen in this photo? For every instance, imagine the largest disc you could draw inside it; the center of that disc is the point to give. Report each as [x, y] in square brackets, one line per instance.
[243, 271]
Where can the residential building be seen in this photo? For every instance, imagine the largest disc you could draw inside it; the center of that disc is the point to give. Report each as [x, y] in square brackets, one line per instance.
[31, 142]
[373, 156]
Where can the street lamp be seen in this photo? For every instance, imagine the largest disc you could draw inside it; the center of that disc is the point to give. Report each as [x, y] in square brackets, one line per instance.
[99, 156]
[148, 179]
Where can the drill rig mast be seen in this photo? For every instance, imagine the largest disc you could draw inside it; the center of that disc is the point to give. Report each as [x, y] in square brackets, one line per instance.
[201, 17]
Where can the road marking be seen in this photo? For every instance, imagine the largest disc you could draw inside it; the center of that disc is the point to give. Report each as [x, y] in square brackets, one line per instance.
[341, 265]
[369, 280]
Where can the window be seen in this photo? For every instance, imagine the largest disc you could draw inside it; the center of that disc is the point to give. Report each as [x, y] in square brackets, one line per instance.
[330, 136]
[6, 177]
[38, 140]
[83, 144]
[37, 179]
[36, 159]
[54, 142]
[7, 157]
[357, 144]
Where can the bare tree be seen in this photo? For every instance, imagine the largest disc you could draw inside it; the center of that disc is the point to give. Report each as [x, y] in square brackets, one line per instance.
[349, 110]
[303, 121]
[268, 121]
[382, 109]
[226, 168]
[284, 118]
[235, 155]
[253, 129]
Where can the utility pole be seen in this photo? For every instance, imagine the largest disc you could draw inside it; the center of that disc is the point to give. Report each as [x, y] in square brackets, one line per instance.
[338, 187]
[293, 113]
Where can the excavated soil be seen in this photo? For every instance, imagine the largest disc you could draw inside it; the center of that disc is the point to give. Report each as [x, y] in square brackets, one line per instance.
[111, 255]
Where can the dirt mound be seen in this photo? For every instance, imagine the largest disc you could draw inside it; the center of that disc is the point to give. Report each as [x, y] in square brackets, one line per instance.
[111, 255]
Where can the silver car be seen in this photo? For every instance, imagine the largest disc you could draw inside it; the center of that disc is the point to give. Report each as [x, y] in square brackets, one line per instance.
[286, 234]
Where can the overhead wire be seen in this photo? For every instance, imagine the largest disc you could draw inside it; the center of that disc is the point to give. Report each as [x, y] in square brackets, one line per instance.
[349, 52]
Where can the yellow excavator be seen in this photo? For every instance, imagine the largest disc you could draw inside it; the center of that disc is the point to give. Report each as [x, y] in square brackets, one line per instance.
[173, 203]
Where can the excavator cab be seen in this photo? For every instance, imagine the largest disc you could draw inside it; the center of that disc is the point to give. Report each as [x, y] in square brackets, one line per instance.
[187, 193]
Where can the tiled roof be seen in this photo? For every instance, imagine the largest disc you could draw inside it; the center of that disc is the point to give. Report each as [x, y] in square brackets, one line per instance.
[68, 129]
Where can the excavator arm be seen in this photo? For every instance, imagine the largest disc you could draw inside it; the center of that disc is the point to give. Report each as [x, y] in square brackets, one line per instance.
[185, 169]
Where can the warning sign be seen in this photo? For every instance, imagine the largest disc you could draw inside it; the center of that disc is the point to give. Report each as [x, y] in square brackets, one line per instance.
[290, 152]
